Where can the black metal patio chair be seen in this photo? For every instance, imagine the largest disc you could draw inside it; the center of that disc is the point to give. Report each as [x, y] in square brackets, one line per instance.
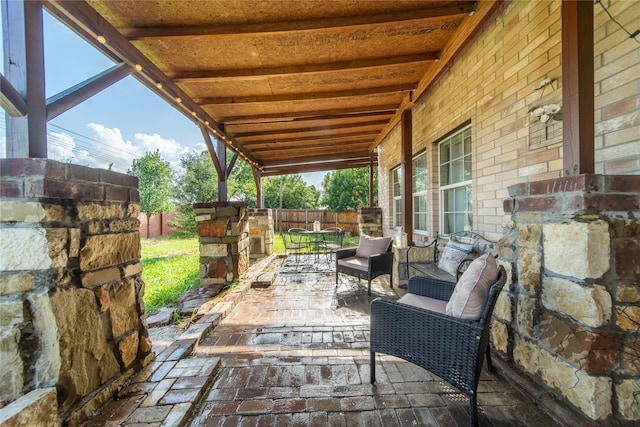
[449, 347]
[332, 239]
[294, 243]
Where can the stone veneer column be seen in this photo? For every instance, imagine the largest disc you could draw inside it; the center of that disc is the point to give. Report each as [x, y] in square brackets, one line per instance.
[571, 319]
[224, 242]
[70, 288]
[370, 221]
[260, 232]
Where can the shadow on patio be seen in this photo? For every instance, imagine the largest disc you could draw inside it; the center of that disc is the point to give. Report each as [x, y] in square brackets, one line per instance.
[297, 353]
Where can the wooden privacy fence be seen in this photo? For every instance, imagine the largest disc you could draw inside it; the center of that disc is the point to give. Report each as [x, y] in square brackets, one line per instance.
[284, 219]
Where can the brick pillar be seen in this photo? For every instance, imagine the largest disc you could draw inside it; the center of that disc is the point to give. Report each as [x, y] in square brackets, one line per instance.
[260, 232]
[70, 288]
[224, 241]
[370, 221]
[571, 319]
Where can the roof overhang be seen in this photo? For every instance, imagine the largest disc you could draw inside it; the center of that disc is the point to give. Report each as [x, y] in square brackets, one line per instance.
[291, 86]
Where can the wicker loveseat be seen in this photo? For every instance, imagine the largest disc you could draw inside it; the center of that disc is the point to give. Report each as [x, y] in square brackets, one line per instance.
[452, 254]
[372, 258]
[417, 329]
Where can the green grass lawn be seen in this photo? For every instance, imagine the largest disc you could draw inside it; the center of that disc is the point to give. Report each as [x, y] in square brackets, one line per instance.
[171, 266]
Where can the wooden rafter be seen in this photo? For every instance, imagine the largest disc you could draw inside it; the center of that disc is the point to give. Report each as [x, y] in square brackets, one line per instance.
[311, 115]
[311, 138]
[210, 75]
[295, 26]
[319, 128]
[308, 95]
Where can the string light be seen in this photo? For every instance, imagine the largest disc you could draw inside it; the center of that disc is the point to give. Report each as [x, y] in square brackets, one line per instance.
[138, 67]
[159, 85]
[101, 39]
[178, 99]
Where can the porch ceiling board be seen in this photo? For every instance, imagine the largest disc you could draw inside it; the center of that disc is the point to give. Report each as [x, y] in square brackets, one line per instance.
[280, 82]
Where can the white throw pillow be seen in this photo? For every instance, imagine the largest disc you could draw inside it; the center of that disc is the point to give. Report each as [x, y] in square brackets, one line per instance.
[452, 256]
[472, 290]
[372, 246]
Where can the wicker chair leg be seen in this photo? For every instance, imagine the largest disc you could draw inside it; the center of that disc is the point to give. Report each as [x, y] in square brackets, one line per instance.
[372, 367]
[490, 367]
[473, 410]
[369, 287]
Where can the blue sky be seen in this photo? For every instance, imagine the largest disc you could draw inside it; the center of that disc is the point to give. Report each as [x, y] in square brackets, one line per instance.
[118, 124]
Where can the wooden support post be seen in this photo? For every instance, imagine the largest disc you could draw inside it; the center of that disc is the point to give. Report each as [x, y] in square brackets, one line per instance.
[24, 67]
[577, 87]
[257, 177]
[222, 179]
[407, 174]
[371, 180]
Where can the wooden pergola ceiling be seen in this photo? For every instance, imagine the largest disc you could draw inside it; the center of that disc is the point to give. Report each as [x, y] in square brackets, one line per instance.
[293, 86]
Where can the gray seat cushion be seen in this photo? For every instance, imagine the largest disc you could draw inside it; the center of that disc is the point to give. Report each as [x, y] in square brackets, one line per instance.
[425, 303]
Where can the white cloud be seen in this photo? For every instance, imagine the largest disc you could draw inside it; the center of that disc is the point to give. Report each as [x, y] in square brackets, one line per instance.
[170, 149]
[108, 149]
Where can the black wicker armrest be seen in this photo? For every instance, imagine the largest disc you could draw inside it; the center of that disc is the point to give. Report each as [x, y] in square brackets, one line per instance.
[430, 287]
[345, 253]
[433, 339]
[381, 261]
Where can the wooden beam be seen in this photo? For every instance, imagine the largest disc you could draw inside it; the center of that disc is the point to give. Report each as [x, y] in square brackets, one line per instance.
[302, 120]
[395, 89]
[257, 178]
[315, 167]
[289, 131]
[26, 135]
[10, 99]
[371, 166]
[73, 96]
[289, 146]
[221, 150]
[232, 163]
[577, 88]
[298, 70]
[212, 151]
[262, 29]
[406, 151]
[312, 159]
[311, 138]
[293, 115]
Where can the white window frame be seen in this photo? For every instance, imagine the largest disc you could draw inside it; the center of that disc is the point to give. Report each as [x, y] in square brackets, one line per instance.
[463, 184]
[397, 196]
[421, 193]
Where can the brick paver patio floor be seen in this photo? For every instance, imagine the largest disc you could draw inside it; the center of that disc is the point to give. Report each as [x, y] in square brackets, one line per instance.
[297, 353]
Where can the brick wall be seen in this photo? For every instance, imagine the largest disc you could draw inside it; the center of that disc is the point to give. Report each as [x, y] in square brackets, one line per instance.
[70, 288]
[492, 84]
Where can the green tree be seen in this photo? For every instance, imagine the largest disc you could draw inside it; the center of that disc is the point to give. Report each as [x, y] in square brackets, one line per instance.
[296, 194]
[241, 186]
[154, 183]
[197, 182]
[348, 189]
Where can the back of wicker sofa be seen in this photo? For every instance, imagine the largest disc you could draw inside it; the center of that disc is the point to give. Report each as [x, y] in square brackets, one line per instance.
[451, 348]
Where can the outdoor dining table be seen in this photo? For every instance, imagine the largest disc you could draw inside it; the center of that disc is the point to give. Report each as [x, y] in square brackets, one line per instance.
[315, 239]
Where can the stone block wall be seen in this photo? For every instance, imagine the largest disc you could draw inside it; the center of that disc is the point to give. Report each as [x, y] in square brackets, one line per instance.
[72, 315]
[223, 231]
[571, 318]
[370, 221]
[260, 232]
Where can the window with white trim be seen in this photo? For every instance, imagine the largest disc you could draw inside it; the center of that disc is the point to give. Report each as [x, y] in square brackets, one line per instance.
[455, 182]
[419, 182]
[397, 197]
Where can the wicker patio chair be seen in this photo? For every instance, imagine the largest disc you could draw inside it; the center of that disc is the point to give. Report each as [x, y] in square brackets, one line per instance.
[449, 347]
[372, 258]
